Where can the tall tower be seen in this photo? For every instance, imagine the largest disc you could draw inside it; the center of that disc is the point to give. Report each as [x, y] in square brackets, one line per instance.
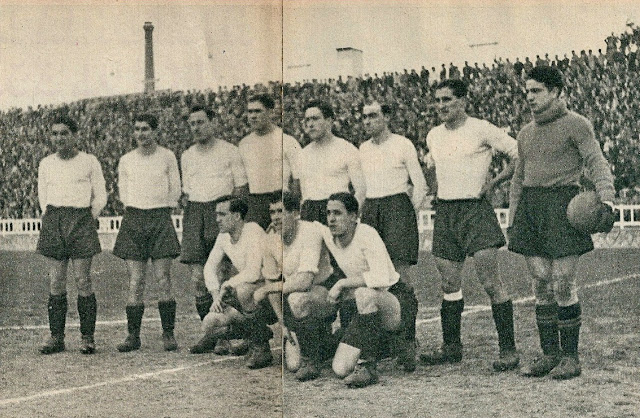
[149, 78]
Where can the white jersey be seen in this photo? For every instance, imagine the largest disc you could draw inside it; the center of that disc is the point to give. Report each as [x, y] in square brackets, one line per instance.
[245, 255]
[212, 172]
[462, 156]
[306, 254]
[149, 181]
[366, 256]
[328, 168]
[77, 182]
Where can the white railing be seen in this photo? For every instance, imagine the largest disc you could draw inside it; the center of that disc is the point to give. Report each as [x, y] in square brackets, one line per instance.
[629, 217]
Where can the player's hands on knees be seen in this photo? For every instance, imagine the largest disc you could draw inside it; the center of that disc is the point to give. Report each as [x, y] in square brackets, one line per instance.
[334, 293]
[218, 305]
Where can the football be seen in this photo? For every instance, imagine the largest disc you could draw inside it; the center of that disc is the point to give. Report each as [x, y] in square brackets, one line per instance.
[588, 214]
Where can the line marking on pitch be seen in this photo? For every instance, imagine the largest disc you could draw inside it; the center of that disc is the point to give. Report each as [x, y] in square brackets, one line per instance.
[521, 301]
[126, 379]
[149, 375]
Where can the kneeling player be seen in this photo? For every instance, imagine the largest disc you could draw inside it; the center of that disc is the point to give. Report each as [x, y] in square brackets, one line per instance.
[242, 242]
[295, 250]
[383, 302]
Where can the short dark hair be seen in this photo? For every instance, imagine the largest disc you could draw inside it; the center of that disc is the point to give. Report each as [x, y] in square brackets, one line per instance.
[549, 76]
[324, 107]
[458, 87]
[152, 120]
[67, 121]
[200, 108]
[236, 205]
[386, 109]
[291, 202]
[348, 200]
[264, 98]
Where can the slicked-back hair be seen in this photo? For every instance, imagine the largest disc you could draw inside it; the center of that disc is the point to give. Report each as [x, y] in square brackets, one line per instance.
[386, 109]
[264, 98]
[238, 206]
[152, 120]
[290, 202]
[67, 121]
[200, 108]
[324, 107]
[458, 87]
[549, 76]
[348, 200]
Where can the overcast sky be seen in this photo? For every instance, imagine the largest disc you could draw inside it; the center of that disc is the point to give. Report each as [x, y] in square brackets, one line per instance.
[51, 53]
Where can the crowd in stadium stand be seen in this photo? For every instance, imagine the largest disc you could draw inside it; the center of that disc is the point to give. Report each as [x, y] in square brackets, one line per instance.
[602, 86]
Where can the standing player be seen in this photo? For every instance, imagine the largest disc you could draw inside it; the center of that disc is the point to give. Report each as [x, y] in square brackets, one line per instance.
[211, 169]
[553, 150]
[233, 304]
[465, 223]
[389, 162]
[372, 281]
[149, 185]
[71, 191]
[296, 254]
[269, 157]
[327, 165]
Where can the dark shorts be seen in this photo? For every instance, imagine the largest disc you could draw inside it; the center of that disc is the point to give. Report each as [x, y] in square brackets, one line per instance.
[259, 208]
[463, 227]
[199, 232]
[395, 220]
[540, 225]
[68, 233]
[314, 210]
[145, 234]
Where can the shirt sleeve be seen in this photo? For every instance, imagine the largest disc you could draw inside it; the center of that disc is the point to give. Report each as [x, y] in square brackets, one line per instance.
[184, 164]
[98, 188]
[375, 253]
[123, 181]
[291, 151]
[499, 140]
[253, 262]
[237, 168]
[597, 166]
[211, 280]
[42, 184]
[270, 268]
[311, 250]
[415, 174]
[356, 176]
[174, 180]
[515, 189]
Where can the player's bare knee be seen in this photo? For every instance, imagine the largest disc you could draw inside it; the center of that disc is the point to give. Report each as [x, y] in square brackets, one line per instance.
[84, 286]
[366, 300]
[300, 305]
[213, 320]
[57, 286]
[341, 367]
[451, 286]
[566, 292]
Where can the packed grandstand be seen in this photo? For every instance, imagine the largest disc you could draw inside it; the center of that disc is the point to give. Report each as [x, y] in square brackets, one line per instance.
[604, 86]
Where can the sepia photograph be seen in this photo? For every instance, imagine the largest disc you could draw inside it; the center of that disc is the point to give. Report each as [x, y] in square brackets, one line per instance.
[319, 208]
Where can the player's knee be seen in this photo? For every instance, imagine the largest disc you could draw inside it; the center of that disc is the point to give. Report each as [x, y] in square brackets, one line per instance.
[341, 367]
[244, 293]
[566, 293]
[366, 299]
[57, 285]
[543, 291]
[300, 304]
[213, 320]
[450, 286]
[84, 286]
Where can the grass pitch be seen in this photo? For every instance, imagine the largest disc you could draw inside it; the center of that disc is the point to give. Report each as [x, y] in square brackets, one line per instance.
[152, 383]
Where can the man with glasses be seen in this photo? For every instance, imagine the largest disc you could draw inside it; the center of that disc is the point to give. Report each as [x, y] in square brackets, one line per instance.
[465, 223]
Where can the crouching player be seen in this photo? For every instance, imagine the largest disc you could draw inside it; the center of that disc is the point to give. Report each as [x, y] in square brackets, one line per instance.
[233, 305]
[383, 302]
[295, 252]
